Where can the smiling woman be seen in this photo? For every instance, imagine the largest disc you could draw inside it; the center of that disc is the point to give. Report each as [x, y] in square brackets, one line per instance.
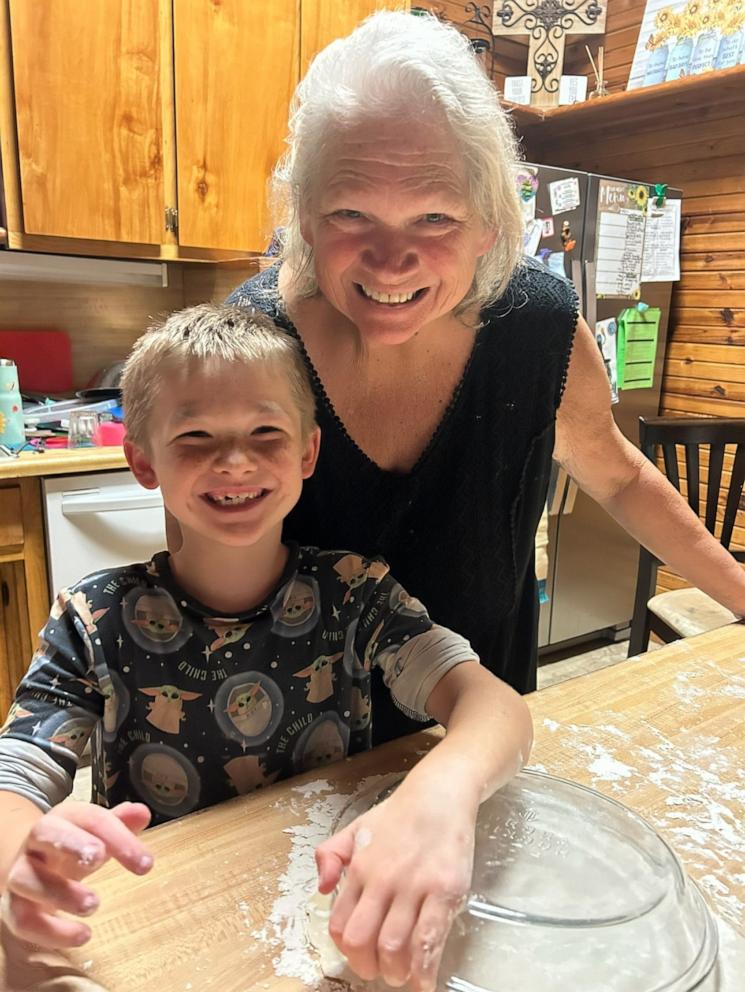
[397, 263]
[437, 361]
[447, 369]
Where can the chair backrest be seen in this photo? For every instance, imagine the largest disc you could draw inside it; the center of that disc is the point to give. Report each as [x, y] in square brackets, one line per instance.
[693, 434]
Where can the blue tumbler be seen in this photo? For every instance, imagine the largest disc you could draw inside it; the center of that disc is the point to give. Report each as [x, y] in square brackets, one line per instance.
[11, 408]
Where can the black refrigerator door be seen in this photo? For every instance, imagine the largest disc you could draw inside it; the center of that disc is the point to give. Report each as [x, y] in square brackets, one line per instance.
[594, 560]
[560, 244]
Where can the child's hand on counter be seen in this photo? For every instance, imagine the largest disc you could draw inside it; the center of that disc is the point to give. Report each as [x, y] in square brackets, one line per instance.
[407, 867]
[62, 848]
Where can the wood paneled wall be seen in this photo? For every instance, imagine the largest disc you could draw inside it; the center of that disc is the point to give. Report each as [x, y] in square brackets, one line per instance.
[213, 283]
[103, 321]
[703, 154]
[622, 25]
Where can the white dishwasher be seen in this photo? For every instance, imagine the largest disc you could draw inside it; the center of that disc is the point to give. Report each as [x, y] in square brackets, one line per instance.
[99, 520]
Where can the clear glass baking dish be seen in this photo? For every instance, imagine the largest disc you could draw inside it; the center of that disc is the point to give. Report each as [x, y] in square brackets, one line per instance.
[571, 892]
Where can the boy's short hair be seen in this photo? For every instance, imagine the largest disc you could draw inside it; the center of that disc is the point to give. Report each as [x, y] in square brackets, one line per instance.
[209, 331]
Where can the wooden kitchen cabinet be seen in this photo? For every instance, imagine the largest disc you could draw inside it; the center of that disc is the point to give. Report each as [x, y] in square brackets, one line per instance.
[149, 128]
[236, 66]
[24, 594]
[89, 117]
[325, 20]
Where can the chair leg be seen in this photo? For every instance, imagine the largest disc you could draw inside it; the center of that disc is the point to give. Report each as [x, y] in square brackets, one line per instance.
[639, 638]
[645, 584]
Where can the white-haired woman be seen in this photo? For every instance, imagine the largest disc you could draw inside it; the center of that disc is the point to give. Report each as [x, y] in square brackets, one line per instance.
[447, 370]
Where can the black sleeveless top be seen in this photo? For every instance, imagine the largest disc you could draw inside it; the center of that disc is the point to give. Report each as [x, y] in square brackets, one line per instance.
[458, 530]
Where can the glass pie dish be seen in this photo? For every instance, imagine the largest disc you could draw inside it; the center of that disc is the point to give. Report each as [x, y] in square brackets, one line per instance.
[571, 892]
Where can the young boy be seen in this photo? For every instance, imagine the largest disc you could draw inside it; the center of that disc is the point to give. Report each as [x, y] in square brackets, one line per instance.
[238, 660]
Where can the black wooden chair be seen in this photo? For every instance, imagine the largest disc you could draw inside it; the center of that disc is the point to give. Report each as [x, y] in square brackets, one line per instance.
[685, 612]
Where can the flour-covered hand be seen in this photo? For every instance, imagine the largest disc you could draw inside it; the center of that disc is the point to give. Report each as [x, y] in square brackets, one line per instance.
[403, 869]
[62, 848]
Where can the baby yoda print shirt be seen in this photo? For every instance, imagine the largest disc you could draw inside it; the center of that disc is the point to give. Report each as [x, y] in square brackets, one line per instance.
[187, 709]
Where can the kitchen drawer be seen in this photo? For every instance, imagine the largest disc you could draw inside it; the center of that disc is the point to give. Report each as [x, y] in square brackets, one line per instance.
[11, 517]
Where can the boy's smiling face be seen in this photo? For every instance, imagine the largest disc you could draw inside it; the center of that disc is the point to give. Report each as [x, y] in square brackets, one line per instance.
[227, 448]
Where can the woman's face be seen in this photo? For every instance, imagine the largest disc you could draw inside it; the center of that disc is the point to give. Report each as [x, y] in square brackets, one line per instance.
[394, 237]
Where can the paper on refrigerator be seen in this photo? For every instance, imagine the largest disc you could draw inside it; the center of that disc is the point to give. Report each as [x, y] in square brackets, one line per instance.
[661, 259]
[605, 336]
[620, 238]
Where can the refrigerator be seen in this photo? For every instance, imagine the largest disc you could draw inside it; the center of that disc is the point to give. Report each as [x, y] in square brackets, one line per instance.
[592, 561]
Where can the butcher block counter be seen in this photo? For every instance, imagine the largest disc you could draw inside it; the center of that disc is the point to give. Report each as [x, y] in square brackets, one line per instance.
[62, 461]
[663, 733]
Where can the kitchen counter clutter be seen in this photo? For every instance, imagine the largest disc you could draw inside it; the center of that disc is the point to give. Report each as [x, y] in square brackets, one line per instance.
[224, 907]
[61, 461]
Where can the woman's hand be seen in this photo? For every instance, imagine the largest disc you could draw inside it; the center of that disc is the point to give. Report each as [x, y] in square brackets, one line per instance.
[62, 848]
[407, 867]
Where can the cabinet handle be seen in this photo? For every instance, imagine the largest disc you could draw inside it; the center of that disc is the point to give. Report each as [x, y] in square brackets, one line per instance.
[5, 593]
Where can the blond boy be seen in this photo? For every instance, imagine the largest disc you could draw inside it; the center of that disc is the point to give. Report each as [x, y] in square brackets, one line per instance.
[237, 660]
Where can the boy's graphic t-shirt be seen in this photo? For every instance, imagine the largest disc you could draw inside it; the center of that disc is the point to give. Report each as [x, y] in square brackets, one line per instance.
[188, 709]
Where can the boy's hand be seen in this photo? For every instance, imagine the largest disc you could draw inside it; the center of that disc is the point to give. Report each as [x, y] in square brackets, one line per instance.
[408, 866]
[62, 848]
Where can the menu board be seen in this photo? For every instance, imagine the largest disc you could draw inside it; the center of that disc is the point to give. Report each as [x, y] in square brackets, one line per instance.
[620, 238]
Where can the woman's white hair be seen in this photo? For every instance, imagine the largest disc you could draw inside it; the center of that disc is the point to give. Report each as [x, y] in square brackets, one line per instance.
[393, 64]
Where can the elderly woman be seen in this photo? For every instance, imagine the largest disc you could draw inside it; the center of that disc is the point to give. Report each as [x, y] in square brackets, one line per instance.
[447, 369]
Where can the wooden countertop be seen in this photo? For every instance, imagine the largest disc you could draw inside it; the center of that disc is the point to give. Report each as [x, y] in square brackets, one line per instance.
[61, 461]
[664, 734]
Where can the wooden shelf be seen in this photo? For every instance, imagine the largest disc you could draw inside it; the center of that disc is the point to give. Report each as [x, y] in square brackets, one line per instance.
[676, 98]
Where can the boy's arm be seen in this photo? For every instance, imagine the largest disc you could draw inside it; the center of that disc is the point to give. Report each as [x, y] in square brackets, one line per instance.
[56, 707]
[46, 853]
[408, 861]
[17, 815]
[489, 730]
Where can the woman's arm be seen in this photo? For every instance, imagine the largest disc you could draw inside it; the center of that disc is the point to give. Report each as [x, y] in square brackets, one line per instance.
[609, 468]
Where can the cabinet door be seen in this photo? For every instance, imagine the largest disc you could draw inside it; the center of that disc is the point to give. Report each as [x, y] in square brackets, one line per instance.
[15, 644]
[323, 21]
[24, 595]
[89, 117]
[236, 66]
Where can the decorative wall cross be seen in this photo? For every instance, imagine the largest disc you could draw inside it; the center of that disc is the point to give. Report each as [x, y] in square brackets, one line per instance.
[548, 22]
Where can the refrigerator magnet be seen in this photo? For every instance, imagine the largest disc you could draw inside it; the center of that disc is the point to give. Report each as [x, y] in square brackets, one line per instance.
[564, 194]
[548, 227]
[532, 237]
[566, 237]
[527, 183]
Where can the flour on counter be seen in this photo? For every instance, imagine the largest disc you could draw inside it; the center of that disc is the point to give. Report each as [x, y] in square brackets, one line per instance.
[608, 768]
[686, 692]
[313, 788]
[286, 928]
[705, 805]
[737, 690]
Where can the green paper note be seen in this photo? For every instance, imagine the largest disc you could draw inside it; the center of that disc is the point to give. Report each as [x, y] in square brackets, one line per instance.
[637, 347]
